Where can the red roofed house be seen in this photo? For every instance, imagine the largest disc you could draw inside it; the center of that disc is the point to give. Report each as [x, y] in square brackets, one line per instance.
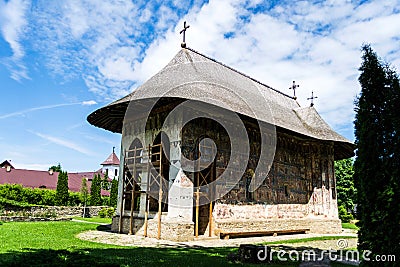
[48, 179]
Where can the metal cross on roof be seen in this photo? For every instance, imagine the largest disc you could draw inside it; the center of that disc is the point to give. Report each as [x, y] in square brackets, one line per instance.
[293, 87]
[312, 98]
[113, 149]
[183, 44]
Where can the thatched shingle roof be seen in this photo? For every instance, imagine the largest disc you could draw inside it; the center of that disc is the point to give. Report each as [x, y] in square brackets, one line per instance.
[191, 75]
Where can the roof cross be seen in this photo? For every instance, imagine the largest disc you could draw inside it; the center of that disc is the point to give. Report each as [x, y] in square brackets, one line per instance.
[183, 44]
[312, 98]
[113, 149]
[293, 87]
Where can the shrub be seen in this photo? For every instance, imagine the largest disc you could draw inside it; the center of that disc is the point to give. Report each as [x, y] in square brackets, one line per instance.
[75, 199]
[110, 212]
[105, 201]
[26, 196]
[344, 215]
[106, 212]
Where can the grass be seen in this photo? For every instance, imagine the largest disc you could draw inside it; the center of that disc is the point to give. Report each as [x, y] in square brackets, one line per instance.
[96, 219]
[350, 226]
[55, 244]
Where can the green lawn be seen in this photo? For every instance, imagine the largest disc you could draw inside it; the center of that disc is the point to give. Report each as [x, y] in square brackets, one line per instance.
[55, 244]
[350, 226]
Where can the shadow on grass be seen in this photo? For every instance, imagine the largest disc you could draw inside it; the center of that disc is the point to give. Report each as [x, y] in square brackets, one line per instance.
[118, 257]
[104, 227]
[125, 257]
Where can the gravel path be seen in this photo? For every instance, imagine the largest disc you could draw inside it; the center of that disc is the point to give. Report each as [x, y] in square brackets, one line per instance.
[140, 241]
[107, 237]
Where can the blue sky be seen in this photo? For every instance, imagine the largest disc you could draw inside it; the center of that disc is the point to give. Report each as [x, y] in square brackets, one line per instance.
[61, 60]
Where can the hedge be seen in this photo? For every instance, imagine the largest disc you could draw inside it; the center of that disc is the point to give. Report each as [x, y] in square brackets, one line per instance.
[19, 195]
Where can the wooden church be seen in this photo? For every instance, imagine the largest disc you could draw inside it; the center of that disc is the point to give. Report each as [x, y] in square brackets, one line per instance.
[208, 151]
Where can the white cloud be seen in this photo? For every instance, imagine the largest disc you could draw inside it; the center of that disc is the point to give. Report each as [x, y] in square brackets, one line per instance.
[318, 45]
[65, 143]
[29, 110]
[89, 103]
[117, 45]
[13, 22]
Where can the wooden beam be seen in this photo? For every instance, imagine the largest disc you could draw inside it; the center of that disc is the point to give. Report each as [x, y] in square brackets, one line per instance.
[146, 212]
[160, 195]
[159, 213]
[197, 212]
[132, 208]
[146, 215]
[121, 208]
[210, 220]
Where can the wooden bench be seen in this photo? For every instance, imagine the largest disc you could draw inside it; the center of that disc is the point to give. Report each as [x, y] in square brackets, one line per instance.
[227, 234]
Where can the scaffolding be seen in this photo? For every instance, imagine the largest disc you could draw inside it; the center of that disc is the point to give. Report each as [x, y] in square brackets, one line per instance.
[143, 175]
[204, 175]
[136, 162]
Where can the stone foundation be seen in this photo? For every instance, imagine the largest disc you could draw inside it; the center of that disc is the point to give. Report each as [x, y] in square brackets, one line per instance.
[319, 226]
[170, 229]
[184, 231]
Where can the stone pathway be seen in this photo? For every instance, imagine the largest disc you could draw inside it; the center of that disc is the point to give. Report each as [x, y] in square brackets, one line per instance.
[140, 241]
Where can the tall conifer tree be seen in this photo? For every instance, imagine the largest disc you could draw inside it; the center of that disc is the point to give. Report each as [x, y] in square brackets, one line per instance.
[95, 191]
[376, 169]
[114, 193]
[62, 193]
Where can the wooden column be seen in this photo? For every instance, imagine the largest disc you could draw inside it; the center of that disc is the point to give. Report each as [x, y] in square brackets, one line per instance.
[159, 213]
[146, 212]
[160, 194]
[197, 211]
[210, 220]
[132, 209]
[132, 193]
[121, 208]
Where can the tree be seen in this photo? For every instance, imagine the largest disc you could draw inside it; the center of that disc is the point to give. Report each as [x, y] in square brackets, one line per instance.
[62, 193]
[56, 168]
[84, 191]
[114, 193]
[377, 163]
[346, 192]
[95, 191]
[105, 184]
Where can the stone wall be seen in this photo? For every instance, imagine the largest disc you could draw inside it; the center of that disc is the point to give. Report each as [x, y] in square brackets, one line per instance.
[30, 219]
[53, 211]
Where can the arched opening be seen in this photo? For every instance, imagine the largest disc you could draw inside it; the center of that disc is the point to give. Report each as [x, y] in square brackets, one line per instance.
[134, 154]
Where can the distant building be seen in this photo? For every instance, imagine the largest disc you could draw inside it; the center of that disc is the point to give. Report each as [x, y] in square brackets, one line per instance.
[6, 164]
[111, 166]
[48, 179]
